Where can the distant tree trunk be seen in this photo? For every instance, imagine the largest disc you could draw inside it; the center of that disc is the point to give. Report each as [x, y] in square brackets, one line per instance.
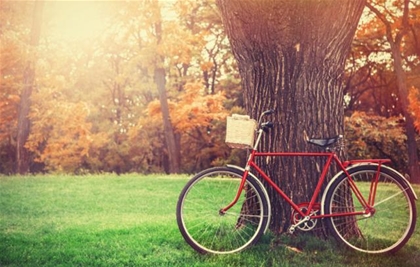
[395, 43]
[23, 128]
[160, 81]
[291, 57]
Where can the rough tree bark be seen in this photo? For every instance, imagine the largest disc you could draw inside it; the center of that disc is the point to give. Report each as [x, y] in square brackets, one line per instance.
[23, 128]
[291, 57]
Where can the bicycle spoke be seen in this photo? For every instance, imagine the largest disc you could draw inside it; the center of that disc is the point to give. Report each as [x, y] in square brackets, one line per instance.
[201, 223]
[388, 227]
[390, 197]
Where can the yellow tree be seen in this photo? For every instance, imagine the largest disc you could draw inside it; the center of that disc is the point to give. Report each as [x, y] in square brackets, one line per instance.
[414, 106]
[61, 137]
[11, 49]
[170, 43]
[396, 21]
[23, 126]
[61, 106]
[195, 117]
[140, 60]
[160, 81]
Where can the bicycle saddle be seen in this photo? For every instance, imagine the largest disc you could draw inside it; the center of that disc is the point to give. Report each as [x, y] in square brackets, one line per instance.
[324, 142]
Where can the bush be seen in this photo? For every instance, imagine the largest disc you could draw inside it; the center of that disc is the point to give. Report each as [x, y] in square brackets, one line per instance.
[372, 136]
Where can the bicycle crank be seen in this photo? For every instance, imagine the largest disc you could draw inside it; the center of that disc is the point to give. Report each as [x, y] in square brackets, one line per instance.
[304, 223]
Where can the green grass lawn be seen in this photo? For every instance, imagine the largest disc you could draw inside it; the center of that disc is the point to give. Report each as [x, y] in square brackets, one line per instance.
[129, 220]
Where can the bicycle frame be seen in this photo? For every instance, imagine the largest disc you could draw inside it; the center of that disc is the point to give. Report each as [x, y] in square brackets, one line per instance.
[367, 204]
[364, 201]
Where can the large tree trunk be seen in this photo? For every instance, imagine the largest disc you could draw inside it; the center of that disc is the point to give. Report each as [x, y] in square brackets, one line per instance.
[291, 57]
[23, 130]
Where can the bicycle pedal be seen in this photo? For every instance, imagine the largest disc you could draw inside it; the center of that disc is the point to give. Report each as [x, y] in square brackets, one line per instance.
[291, 229]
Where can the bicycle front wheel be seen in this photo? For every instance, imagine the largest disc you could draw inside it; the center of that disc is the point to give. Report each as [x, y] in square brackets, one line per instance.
[388, 227]
[208, 230]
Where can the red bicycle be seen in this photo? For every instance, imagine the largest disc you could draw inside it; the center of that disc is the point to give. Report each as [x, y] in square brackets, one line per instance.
[368, 206]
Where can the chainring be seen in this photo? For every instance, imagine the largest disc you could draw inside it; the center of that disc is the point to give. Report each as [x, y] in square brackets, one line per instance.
[311, 223]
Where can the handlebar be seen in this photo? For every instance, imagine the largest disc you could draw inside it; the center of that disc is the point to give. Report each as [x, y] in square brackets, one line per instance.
[267, 125]
[265, 113]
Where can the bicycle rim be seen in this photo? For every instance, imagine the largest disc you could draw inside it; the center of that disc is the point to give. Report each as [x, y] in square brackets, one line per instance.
[205, 228]
[385, 230]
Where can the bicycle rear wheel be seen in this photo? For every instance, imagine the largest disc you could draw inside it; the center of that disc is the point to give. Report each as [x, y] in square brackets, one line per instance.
[205, 228]
[386, 229]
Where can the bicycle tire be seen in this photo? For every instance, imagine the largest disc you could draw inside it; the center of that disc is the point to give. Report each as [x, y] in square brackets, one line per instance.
[207, 230]
[389, 227]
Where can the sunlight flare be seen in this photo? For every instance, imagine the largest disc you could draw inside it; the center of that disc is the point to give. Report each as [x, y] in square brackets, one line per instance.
[77, 20]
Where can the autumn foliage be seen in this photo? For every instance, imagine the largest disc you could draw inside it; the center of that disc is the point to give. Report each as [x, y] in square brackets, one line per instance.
[414, 99]
[95, 105]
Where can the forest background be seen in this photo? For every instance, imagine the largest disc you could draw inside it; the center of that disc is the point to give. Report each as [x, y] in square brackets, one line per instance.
[115, 84]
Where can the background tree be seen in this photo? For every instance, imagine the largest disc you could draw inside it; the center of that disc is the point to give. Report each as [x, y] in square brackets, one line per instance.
[373, 82]
[414, 106]
[11, 21]
[395, 35]
[187, 65]
[23, 124]
[291, 57]
[172, 145]
[98, 72]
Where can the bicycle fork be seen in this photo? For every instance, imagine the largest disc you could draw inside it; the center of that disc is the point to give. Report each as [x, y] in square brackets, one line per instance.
[238, 194]
[244, 176]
